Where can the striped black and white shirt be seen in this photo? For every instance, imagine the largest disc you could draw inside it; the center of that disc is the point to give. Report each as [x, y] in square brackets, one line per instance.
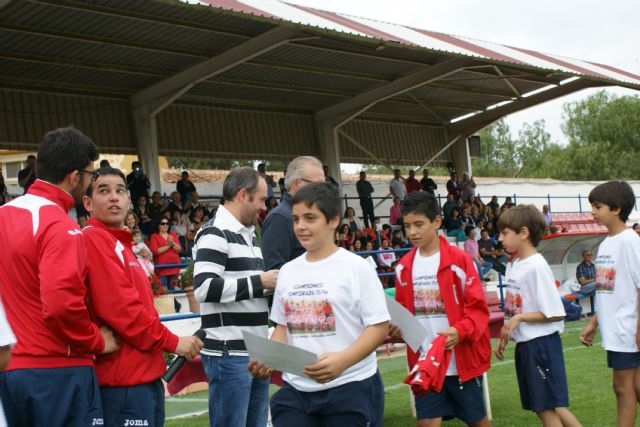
[226, 277]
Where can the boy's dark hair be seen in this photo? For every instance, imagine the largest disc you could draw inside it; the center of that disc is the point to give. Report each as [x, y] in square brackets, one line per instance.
[421, 202]
[322, 194]
[135, 231]
[615, 194]
[524, 216]
[63, 151]
[386, 227]
[104, 172]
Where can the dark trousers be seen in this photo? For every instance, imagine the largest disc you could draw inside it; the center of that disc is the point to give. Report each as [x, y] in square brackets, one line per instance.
[51, 397]
[138, 405]
[367, 211]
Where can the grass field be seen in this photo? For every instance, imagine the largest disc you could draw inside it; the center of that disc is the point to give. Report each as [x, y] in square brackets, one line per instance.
[590, 394]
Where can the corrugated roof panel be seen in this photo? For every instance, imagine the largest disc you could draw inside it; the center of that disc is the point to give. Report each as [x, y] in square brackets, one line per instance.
[319, 81]
[392, 143]
[292, 99]
[238, 134]
[343, 61]
[25, 117]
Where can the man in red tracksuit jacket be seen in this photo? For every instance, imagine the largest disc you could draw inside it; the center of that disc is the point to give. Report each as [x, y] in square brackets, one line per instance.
[120, 296]
[50, 380]
[448, 299]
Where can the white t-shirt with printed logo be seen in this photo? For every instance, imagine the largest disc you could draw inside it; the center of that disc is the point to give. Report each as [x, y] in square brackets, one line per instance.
[427, 302]
[530, 288]
[617, 284]
[326, 305]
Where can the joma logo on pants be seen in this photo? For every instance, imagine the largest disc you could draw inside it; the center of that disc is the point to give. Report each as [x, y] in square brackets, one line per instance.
[128, 423]
[98, 422]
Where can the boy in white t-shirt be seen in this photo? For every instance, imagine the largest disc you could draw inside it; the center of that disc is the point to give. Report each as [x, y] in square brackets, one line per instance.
[536, 319]
[342, 296]
[617, 284]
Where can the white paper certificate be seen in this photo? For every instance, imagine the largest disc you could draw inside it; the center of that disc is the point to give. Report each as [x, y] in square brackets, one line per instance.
[413, 333]
[278, 356]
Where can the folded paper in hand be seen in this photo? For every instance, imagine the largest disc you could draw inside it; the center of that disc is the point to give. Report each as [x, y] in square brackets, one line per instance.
[278, 356]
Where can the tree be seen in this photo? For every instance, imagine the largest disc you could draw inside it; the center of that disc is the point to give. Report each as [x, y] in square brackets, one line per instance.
[604, 137]
[498, 152]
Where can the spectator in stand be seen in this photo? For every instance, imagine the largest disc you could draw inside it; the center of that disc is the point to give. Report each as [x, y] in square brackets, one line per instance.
[493, 204]
[137, 182]
[496, 216]
[185, 187]
[487, 214]
[351, 248]
[195, 203]
[156, 207]
[82, 221]
[271, 183]
[166, 249]
[586, 273]
[411, 184]
[104, 163]
[174, 204]
[636, 226]
[546, 215]
[493, 233]
[372, 234]
[27, 176]
[452, 185]
[4, 194]
[328, 178]
[475, 201]
[365, 191]
[357, 245]
[396, 185]
[281, 185]
[386, 232]
[449, 206]
[180, 226]
[471, 247]
[131, 220]
[395, 213]
[50, 379]
[144, 216]
[352, 221]
[142, 251]
[466, 187]
[507, 204]
[386, 262]
[270, 204]
[489, 253]
[455, 226]
[345, 238]
[428, 184]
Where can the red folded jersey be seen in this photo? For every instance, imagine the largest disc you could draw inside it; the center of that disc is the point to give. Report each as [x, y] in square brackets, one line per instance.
[429, 373]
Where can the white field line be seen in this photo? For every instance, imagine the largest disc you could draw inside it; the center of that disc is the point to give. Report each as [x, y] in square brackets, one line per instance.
[187, 415]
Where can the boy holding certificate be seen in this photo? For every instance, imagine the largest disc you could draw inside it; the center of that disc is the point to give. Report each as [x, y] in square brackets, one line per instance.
[330, 302]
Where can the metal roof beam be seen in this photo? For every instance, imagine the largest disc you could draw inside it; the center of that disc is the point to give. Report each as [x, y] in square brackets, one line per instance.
[184, 80]
[477, 122]
[396, 87]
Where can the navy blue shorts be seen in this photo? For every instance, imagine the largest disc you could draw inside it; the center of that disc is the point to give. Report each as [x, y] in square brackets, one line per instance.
[456, 400]
[618, 360]
[138, 405]
[541, 375]
[51, 397]
[359, 403]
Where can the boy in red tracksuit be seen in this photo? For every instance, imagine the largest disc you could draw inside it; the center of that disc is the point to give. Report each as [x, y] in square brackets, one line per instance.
[440, 285]
[121, 297]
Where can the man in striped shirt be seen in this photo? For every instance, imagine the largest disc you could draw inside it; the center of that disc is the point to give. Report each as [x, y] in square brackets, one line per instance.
[232, 288]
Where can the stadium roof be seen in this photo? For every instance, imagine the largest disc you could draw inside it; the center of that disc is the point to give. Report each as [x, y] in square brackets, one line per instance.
[258, 79]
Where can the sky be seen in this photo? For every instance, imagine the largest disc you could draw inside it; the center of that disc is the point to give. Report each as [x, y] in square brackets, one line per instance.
[606, 32]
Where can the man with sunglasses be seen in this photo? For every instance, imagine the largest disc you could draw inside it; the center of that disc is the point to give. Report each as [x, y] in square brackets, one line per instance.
[121, 298]
[279, 244]
[51, 379]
